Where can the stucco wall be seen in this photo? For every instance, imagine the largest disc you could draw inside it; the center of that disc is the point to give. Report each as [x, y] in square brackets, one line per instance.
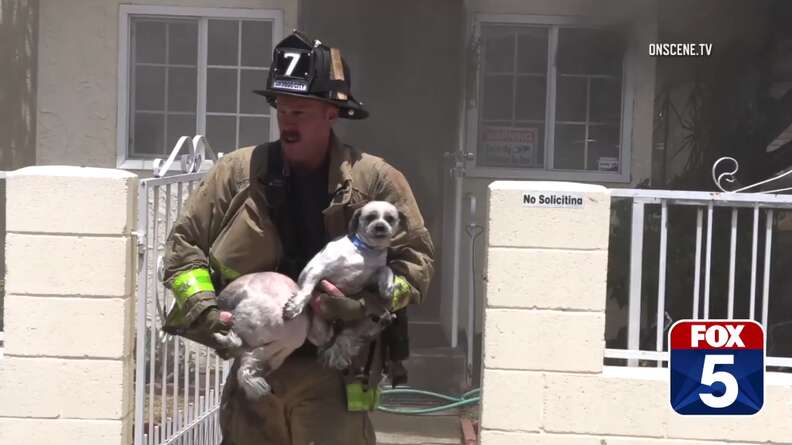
[78, 75]
[18, 35]
[543, 378]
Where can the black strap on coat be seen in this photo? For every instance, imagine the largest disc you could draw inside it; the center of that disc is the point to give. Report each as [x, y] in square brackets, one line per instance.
[276, 189]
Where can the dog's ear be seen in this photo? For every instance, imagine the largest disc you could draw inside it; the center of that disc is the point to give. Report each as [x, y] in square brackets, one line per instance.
[354, 223]
[402, 220]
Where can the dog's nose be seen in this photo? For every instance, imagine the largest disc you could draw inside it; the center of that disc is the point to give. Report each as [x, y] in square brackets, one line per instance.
[380, 227]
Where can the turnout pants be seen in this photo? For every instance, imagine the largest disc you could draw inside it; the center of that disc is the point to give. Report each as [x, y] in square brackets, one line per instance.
[307, 407]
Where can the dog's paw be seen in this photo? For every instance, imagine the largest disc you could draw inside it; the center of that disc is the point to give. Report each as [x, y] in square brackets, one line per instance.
[334, 358]
[385, 282]
[340, 362]
[228, 341]
[255, 386]
[293, 307]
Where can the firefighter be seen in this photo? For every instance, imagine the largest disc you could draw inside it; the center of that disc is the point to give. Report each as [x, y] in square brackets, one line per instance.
[271, 208]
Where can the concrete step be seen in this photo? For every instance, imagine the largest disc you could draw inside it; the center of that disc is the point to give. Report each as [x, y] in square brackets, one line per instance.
[395, 429]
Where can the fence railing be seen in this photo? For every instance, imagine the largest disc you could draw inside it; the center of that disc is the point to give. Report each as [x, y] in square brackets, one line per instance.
[700, 255]
[178, 383]
[2, 253]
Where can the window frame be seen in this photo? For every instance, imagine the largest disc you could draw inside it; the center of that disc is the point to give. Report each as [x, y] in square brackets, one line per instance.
[547, 173]
[123, 159]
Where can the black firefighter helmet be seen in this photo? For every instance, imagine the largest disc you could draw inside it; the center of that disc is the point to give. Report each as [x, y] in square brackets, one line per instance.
[304, 67]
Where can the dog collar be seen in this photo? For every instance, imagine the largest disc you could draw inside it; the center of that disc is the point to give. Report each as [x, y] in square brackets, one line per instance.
[359, 243]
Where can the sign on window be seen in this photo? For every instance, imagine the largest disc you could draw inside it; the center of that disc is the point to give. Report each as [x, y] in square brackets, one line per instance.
[510, 146]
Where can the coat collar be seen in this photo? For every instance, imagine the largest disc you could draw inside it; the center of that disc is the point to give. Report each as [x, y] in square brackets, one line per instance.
[339, 178]
[341, 158]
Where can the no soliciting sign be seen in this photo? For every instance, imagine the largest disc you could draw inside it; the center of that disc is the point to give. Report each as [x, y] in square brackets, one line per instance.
[552, 199]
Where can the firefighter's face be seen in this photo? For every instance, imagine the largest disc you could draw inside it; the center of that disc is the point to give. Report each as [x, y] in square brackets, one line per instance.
[305, 126]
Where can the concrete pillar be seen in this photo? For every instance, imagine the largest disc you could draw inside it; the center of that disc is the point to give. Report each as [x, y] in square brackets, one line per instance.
[543, 378]
[547, 252]
[67, 373]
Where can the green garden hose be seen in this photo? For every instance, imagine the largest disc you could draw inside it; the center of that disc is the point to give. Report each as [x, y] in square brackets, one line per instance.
[466, 399]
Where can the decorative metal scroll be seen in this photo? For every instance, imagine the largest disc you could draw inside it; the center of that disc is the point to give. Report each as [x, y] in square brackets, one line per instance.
[729, 177]
[196, 149]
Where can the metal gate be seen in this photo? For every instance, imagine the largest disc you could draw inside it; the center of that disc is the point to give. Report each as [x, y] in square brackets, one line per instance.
[698, 255]
[178, 383]
[2, 253]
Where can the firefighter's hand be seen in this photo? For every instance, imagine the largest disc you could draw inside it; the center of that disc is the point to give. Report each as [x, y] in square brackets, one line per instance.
[198, 320]
[214, 321]
[331, 304]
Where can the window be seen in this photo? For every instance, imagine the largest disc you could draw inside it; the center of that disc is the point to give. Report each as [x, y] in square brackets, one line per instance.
[551, 101]
[186, 71]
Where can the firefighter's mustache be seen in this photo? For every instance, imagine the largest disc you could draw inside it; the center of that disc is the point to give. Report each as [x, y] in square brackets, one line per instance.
[290, 136]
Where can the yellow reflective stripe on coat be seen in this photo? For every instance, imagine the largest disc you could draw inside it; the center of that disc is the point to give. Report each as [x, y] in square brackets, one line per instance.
[187, 284]
[402, 291]
[360, 399]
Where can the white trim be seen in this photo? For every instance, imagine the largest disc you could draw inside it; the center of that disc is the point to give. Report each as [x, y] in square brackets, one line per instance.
[277, 30]
[654, 196]
[531, 19]
[203, 55]
[179, 11]
[229, 67]
[238, 83]
[540, 174]
[276, 16]
[122, 123]
[548, 172]
[628, 100]
[136, 164]
[470, 111]
[772, 378]
[215, 113]
[550, 95]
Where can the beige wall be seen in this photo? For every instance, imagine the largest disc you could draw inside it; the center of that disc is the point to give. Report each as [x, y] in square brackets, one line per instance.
[78, 75]
[66, 375]
[18, 35]
[543, 378]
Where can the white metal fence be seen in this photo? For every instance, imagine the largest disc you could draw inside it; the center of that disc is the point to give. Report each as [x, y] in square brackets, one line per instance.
[2, 253]
[178, 383]
[700, 255]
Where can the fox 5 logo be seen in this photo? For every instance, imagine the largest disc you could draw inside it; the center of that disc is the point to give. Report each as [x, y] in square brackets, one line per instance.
[717, 367]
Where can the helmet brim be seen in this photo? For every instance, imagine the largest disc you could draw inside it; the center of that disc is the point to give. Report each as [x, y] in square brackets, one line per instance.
[350, 109]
